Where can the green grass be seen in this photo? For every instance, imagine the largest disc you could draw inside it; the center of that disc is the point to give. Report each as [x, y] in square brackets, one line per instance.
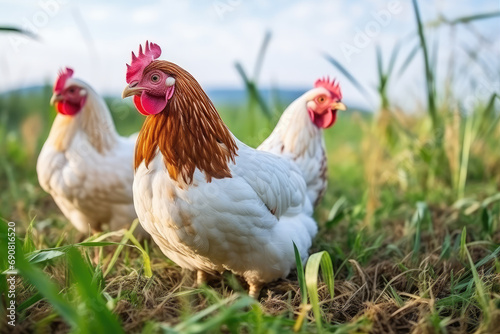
[409, 229]
[409, 249]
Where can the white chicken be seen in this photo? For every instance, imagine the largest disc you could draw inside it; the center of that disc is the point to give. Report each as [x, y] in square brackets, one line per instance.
[84, 164]
[299, 134]
[210, 202]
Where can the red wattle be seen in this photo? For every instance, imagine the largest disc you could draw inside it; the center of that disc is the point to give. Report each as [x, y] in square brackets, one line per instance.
[138, 105]
[153, 104]
[67, 108]
[324, 120]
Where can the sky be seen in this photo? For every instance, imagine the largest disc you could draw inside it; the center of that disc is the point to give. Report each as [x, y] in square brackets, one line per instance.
[95, 38]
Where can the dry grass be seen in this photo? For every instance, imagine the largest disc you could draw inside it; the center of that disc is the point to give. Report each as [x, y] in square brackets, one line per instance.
[384, 295]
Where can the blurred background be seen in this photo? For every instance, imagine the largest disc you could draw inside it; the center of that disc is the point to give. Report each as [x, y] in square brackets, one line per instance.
[420, 79]
[414, 164]
[96, 38]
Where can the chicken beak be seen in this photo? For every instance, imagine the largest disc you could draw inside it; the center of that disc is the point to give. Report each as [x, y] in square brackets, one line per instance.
[339, 106]
[129, 91]
[55, 98]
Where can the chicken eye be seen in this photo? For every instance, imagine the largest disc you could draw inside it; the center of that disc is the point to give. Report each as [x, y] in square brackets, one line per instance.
[71, 90]
[155, 78]
[321, 99]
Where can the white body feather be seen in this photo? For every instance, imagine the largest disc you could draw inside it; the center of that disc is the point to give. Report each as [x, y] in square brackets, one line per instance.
[88, 168]
[245, 224]
[297, 138]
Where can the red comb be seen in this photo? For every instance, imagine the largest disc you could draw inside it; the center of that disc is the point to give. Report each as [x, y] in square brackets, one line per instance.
[139, 63]
[331, 85]
[63, 75]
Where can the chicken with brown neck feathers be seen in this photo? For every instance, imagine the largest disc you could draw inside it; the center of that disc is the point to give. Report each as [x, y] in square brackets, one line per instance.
[209, 201]
[183, 148]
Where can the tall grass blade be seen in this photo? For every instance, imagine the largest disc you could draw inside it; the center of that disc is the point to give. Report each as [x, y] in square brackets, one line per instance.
[299, 323]
[394, 57]
[475, 54]
[95, 305]
[480, 291]
[435, 55]
[19, 31]
[251, 83]
[145, 256]
[29, 302]
[29, 244]
[119, 249]
[490, 200]
[464, 161]
[384, 76]
[420, 216]
[494, 255]
[489, 119]
[380, 66]
[487, 222]
[446, 247]
[46, 254]
[336, 212]
[349, 76]
[300, 274]
[260, 56]
[463, 244]
[475, 17]
[409, 58]
[253, 92]
[312, 269]
[431, 95]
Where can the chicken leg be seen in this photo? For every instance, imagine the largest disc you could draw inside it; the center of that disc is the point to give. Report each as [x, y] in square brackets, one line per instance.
[254, 289]
[201, 277]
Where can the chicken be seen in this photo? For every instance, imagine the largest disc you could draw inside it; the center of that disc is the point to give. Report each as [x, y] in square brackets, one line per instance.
[84, 164]
[299, 134]
[210, 202]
